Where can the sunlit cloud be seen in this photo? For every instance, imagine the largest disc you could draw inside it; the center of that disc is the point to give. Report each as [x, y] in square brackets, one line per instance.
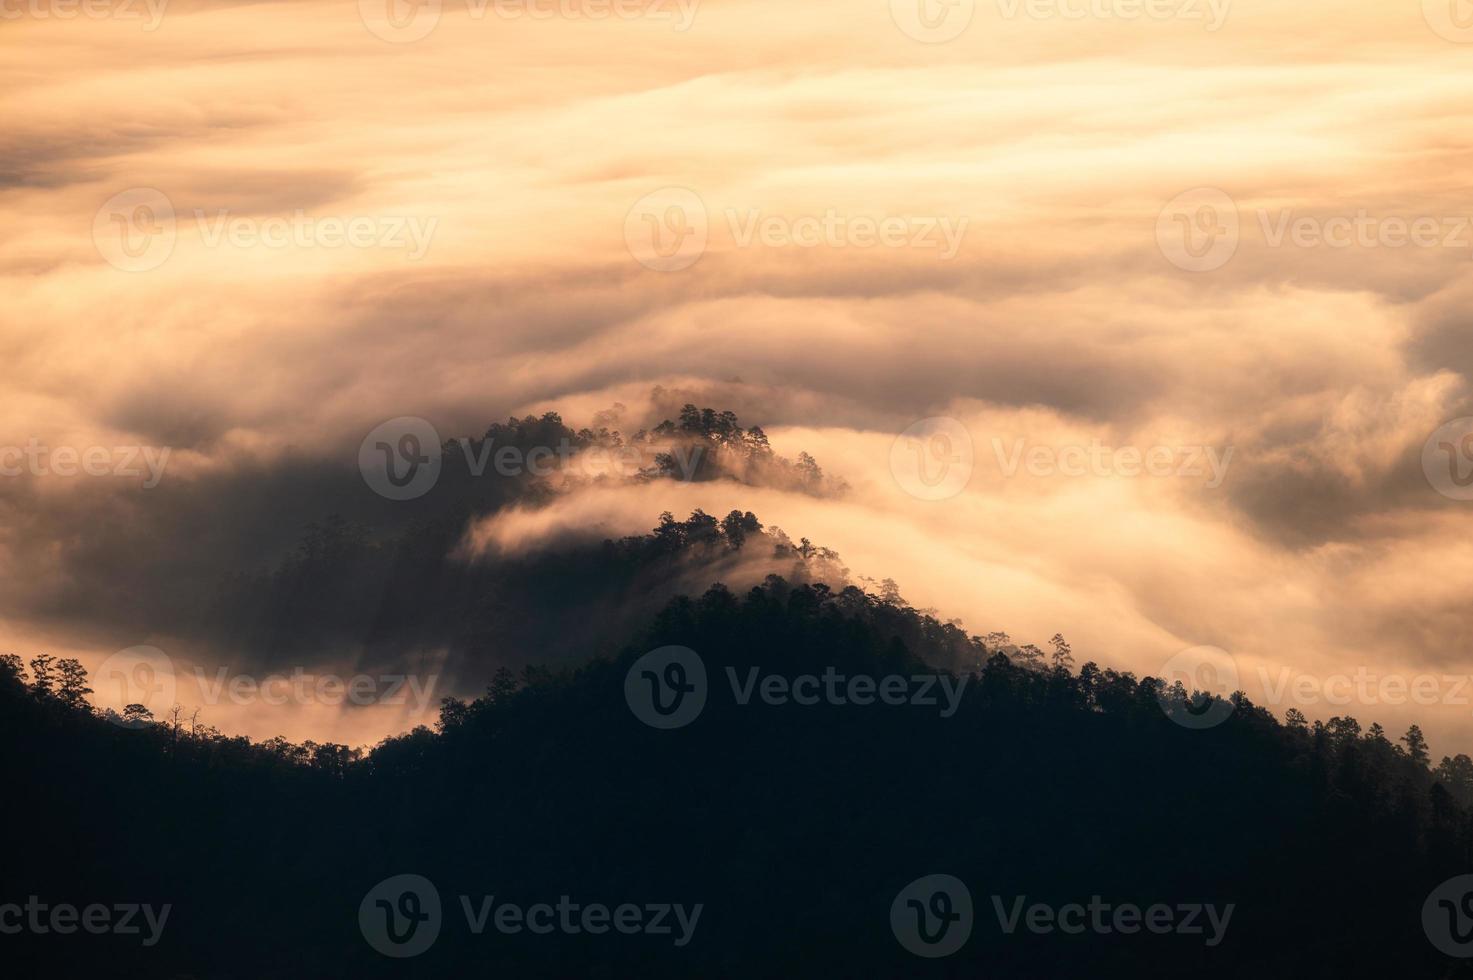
[342, 229]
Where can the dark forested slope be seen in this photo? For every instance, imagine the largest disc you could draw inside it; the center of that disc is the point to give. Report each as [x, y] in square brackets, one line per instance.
[795, 827]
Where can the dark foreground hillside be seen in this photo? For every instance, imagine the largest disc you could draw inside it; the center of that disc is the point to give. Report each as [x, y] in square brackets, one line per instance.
[1248, 849]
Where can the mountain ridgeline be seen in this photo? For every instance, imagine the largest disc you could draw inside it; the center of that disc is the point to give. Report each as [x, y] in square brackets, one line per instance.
[384, 586]
[707, 750]
[792, 823]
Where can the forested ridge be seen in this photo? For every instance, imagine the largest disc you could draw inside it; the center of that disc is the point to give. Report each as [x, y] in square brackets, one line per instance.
[793, 826]
[379, 581]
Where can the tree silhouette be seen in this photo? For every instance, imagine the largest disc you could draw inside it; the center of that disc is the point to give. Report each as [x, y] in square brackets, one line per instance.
[1416, 745]
[43, 684]
[73, 689]
[12, 673]
[1062, 656]
[1029, 656]
[503, 685]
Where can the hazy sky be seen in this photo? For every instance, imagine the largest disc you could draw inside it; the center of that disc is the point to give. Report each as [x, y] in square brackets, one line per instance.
[1237, 231]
